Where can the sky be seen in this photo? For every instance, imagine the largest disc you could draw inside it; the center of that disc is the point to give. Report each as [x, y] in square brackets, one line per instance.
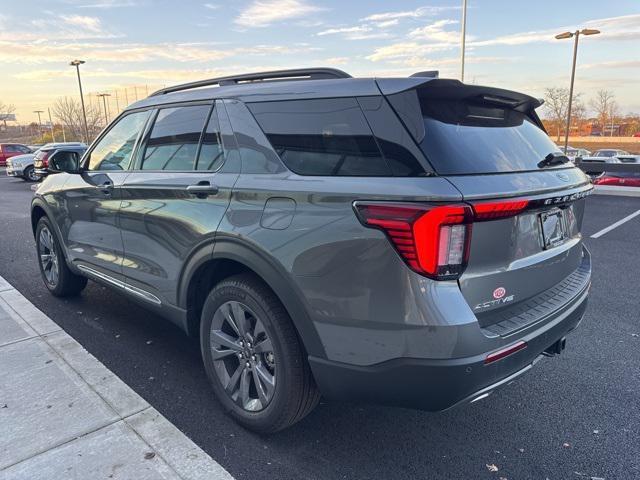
[510, 43]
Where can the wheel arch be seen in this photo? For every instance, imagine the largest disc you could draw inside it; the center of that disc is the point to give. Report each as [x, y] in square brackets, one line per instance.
[232, 256]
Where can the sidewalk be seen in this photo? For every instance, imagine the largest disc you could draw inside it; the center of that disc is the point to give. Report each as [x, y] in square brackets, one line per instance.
[64, 415]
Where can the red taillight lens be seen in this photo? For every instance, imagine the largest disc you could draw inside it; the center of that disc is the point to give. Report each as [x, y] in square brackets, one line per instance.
[496, 210]
[43, 159]
[432, 240]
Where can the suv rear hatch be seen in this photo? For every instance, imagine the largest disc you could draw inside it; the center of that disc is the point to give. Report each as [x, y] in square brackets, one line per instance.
[525, 255]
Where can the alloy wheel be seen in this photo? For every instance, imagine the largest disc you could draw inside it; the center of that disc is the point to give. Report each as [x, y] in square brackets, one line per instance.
[243, 356]
[31, 175]
[48, 257]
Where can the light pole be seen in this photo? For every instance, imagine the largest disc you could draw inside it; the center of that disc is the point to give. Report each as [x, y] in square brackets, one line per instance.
[53, 136]
[39, 121]
[77, 63]
[576, 35]
[104, 104]
[464, 37]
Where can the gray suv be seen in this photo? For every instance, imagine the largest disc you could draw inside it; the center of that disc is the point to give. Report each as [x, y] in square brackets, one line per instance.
[405, 241]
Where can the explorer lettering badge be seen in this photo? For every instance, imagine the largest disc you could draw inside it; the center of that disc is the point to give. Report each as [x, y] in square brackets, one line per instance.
[500, 297]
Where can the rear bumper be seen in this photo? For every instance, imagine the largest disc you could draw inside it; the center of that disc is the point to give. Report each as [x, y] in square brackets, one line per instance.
[436, 385]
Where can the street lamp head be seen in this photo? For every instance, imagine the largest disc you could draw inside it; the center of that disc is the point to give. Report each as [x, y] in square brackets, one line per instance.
[75, 63]
[589, 31]
[563, 35]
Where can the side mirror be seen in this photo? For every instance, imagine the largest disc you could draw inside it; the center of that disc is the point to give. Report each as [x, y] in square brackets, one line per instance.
[68, 162]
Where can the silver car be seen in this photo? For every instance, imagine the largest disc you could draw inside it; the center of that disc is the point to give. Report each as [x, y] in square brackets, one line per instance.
[22, 166]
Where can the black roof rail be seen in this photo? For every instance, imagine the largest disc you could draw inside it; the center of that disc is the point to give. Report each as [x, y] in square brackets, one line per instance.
[276, 75]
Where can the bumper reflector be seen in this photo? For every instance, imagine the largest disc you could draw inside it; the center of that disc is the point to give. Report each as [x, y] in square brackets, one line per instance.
[505, 352]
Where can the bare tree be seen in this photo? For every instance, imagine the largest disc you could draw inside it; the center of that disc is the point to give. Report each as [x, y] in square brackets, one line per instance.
[556, 102]
[578, 113]
[69, 112]
[601, 105]
[6, 109]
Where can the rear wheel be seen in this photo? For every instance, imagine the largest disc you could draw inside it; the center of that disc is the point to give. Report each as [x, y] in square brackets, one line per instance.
[56, 275]
[253, 356]
[29, 174]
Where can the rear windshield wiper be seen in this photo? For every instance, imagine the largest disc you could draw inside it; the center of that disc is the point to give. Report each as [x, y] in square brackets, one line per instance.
[554, 158]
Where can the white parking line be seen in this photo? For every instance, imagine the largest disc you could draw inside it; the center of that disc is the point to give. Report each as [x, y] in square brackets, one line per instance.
[615, 225]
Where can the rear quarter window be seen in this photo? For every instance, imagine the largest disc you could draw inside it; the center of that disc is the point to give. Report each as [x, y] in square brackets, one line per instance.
[321, 137]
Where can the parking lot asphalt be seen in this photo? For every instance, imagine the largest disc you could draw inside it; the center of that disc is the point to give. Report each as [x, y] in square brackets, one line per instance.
[576, 416]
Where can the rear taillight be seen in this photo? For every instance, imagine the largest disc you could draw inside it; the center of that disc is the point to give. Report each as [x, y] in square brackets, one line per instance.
[434, 239]
[44, 160]
[496, 210]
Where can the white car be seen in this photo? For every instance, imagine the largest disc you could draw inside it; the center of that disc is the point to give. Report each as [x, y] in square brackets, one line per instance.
[22, 165]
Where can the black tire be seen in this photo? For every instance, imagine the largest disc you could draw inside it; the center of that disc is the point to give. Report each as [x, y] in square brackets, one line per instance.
[65, 283]
[294, 392]
[28, 174]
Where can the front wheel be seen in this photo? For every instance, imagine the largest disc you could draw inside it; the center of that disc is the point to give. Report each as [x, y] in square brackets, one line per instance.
[253, 356]
[29, 174]
[56, 275]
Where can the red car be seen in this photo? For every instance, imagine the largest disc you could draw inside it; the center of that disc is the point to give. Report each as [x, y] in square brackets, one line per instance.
[8, 150]
[624, 179]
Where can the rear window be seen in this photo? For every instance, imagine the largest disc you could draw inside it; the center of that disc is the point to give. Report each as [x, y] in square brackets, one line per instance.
[462, 137]
[321, 137]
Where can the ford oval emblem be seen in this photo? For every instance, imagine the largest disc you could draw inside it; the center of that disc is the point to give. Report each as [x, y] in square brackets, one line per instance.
[563, 176]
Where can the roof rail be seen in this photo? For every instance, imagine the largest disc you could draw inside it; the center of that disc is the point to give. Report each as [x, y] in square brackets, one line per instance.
[276, 75]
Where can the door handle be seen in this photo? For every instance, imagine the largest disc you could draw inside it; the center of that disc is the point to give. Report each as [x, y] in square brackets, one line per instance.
[105, 187]
[202, 189]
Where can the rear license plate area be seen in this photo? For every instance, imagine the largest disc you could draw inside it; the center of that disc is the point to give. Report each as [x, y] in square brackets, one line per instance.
[554, 231]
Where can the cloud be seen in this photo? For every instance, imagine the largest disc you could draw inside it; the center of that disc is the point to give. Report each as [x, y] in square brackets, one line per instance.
[62, 27]
[613, 64]
[387, 23]
[417, 13]
[336, 61]
[626, 27]
[262, 13]
[37, 52]
[406, 50]
[435, 32]
[211, 6]
[358, 32]
[102, 4]
[91, 24]
[333, 31]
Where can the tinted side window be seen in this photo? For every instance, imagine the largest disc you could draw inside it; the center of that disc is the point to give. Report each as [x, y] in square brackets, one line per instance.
[321, 137]
[173, 142]
[211, 155]
[113, 151]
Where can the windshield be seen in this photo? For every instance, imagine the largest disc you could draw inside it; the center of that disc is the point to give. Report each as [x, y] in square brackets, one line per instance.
[605, 153]
[471, 138]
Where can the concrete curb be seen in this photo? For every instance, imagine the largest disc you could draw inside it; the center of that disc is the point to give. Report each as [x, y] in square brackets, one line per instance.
[109, 430]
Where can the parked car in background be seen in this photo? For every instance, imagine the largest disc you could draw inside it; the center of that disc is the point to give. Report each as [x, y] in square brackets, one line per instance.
[608, 153]
[406, 241]
[56, 157]
[8, 150]
[23, 165]
[623, 179]
[573, 153]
